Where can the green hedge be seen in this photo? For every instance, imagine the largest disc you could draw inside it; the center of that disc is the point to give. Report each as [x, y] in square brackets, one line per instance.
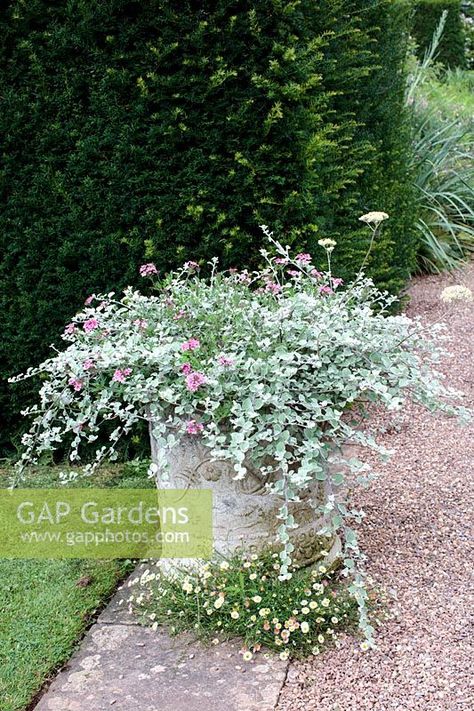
[145, 129]
[467, 15]
[451, 51]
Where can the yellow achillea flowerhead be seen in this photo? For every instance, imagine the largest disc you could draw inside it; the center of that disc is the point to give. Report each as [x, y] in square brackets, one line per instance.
[458, 292]
[327, 243]
[374, 218]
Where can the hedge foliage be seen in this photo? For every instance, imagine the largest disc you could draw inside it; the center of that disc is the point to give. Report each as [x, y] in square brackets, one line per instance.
[426, 19]
[467, 16]
[149, 129]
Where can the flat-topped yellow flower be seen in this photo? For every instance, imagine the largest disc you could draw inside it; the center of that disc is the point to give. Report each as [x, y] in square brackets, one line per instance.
[457, 292]
[327, 244]
[374, 218]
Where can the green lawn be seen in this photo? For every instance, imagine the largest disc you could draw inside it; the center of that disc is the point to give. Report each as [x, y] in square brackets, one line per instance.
[452, 95]
[43, 610]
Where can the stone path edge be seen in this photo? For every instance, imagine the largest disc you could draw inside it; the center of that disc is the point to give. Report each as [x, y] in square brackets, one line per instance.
[121, 665]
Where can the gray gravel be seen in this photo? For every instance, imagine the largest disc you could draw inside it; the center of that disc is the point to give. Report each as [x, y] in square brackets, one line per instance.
[418, 538]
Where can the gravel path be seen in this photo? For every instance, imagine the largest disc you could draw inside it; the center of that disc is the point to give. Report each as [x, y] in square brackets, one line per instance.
[418, 538]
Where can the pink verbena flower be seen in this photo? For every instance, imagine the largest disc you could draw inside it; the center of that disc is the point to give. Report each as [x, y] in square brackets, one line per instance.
[181, 314]
[325, 289]
[281, 260]
[120, 375]
[186, 368]
[76, 384]
[90, 325]
[272, 287]
[303, 258]
[314, 273]
[293, 272]
[194, 381]
[190, 345]
[70, 328]
[191, 265]
[193, 427]
[89, 300]
[88, 364]
[225, 360]
[140, 323]
[244, 277]
[148, 269]
[337, 282]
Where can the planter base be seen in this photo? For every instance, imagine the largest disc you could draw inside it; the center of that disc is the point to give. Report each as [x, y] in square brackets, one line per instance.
[245, 512]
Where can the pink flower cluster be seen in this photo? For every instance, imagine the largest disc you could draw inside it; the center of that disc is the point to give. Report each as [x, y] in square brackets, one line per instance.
[337, 282]
[70, 328]
[281, 260]
[225, 360]
[121, 375]
[244, 277]
[190, 345]
[303, 258]
[191, 266]
[148, 270]
[272, 287]
[89, 300]
[88, 364]
[76, 384]
[193, 427]
[90, 325]
[140, 323]
[194, 380]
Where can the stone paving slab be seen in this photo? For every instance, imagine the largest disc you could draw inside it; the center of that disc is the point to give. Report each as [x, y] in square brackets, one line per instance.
[122, 666]
[117, 611]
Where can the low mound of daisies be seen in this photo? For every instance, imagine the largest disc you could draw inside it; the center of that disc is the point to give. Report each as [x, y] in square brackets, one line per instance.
[244, 597]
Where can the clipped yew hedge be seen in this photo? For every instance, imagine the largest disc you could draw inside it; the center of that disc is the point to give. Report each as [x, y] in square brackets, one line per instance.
[150, 130]
[451, 51]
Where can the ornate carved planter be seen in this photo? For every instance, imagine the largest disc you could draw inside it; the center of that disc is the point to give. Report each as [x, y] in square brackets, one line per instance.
[245, 512]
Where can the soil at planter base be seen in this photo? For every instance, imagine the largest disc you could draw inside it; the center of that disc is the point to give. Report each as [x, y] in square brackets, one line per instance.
[245, 512]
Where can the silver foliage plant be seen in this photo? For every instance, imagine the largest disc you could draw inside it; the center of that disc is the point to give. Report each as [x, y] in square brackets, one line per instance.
[277, 365]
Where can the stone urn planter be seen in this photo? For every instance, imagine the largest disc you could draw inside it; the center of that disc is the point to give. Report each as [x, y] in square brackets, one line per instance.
[245, 511]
